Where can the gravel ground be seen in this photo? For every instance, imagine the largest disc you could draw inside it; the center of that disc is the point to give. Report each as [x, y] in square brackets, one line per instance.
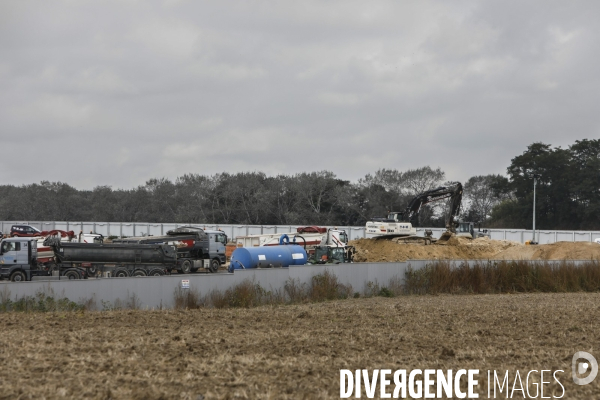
[293, 351]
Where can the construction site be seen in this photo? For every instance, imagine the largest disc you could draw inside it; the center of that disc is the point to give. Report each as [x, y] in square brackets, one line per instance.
[194, 314]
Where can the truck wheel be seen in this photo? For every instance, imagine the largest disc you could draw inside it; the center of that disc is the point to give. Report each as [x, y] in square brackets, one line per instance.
[139, 272]
[17, 276]
[121, 273]
[156, 272]
[186, 267]
[214, 266]
[72, 275]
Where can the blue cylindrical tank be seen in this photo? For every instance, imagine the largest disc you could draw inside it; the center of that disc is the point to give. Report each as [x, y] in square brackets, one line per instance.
[267, 257]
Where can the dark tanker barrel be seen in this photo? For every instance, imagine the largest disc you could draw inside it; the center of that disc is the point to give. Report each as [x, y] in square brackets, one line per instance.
[126, 253]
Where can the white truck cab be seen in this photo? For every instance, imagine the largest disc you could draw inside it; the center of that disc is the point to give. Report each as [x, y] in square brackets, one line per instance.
[18, 255]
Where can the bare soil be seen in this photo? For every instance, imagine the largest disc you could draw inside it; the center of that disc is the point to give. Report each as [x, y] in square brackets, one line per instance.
[292, 352]
[459, 248]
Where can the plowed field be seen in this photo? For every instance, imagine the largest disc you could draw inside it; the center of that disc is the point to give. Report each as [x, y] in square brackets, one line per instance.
[292, 352]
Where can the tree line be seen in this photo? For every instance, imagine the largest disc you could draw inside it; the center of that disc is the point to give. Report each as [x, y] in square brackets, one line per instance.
[567, 196]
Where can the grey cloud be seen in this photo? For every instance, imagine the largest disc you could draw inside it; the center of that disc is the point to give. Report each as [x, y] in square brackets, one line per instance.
[115, 93]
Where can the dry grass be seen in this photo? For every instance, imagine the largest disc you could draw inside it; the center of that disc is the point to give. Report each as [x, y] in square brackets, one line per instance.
[504, 277]
[293, 351]
[187, 298]
[248, 294]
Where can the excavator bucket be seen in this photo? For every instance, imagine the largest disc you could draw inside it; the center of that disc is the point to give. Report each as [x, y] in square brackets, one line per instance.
[445, 237]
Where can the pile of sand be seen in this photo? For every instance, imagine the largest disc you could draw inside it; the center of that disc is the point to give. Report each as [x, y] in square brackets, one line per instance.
[460, 248]
[554, 251]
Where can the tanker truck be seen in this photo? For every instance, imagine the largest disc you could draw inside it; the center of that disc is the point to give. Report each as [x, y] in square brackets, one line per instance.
[114, 259]
[196, 247]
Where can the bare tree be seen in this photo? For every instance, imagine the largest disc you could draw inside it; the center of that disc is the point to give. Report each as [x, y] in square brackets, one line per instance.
[416, 181]
[482, 196]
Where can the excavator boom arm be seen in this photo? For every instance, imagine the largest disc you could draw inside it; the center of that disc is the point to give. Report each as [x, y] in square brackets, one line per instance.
[411, 212]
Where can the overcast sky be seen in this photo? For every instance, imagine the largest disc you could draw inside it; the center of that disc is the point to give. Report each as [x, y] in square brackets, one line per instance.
[117, 92]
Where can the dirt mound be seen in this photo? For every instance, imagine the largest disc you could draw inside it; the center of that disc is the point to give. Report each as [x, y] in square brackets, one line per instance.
[456, 248]
[554, 251]
[460, 248]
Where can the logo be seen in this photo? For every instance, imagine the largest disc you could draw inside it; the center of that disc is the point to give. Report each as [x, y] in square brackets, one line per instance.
[580, 368]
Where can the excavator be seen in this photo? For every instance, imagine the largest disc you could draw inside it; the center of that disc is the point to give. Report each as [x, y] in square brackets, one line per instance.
[399, 226]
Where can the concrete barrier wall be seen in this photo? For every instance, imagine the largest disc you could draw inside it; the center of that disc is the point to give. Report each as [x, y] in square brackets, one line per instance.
[159, 292]
[232, 231]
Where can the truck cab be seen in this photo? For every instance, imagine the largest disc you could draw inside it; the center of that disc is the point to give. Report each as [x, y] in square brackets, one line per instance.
[217, 240]
[18, 256]
[19, 262]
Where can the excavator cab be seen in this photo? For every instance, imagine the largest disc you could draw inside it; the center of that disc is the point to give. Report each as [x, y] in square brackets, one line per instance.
[395, 216]
[343, 237]
[466, 229]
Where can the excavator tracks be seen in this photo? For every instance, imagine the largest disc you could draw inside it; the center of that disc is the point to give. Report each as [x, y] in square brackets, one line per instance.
[418, 240]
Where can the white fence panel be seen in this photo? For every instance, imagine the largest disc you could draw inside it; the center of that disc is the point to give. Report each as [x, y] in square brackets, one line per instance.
[114, 228]
[356, 233]
[497, 234]
[239, 230]
[61, 226]
[87, 227]
[543, 237]
[75, 226]
[140, 229]
[127, 230]
[564, 236]
[514, 236]
[254, 230]
[285, 229]
[269, 229]
[47, 226]
[101, 228]
[582, 237]
[155, 229]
